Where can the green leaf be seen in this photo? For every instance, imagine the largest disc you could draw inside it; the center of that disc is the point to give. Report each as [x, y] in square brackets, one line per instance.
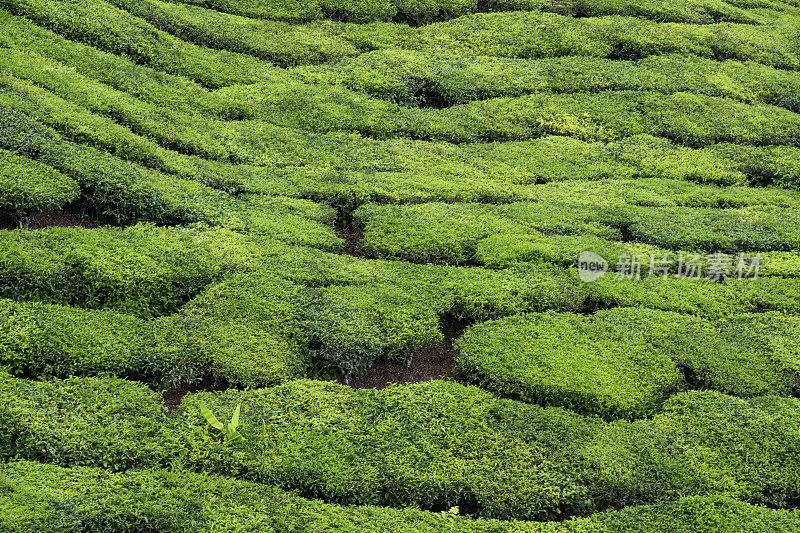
[234, 423]
[210, 418]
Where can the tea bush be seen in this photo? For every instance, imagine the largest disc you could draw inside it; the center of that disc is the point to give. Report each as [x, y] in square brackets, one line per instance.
[395, 447]
[605, 364]
[277, 42]
[52, 340]
[449, 233]
[702, 442]
[311, 187]
[743, 355]
[424, 79]
[715, 230]
[369, 457]
[104, 422]
[352, 326]
[243, 331]
[623, 362]
[28, 187]
[40, 497]
[141, 270]
[110, 186]
[532, 35]
[419, 12]
[113, 30]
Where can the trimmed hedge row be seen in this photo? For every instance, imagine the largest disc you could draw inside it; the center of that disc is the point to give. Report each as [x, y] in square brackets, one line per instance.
[599, 365]
[70, 98]
[703, 297]
[624, 362]
[111, 186]
[557, 230]
[695, 120]
[702, 442]
[423, 79]
[242, 331]
[277, 42]
[449, 233]
[419, 12]
[727, 164]
[323, 439]
[757, 228]
[119, 72]
[28, 187]
[690, 119]
[110, 29]
[505, 163]
[39, 497]
[293, 308]
[129, 192]
[289, 45]
[396, 446]
[140, 270]
[52, 340]
[345, 313]
[111, 128]
[528, 35]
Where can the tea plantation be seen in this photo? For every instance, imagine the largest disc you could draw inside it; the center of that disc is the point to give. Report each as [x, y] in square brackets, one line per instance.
[400, 266]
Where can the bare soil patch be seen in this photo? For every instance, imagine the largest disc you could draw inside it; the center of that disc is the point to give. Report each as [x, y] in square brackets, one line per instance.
[436, 361]
[353, 235]
[67, 217]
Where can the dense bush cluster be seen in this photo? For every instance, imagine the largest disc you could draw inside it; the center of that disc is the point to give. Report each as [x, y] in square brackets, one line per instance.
[40, 497]
[28, 187]
[625, 361]
[234, 214]
[701, 443]
[556, 231]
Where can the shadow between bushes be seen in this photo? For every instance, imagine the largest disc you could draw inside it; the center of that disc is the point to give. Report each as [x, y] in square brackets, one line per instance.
[435, 361]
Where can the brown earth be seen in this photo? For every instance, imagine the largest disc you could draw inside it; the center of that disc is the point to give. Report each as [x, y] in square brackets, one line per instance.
[436, 361]
[68, 217]
[352, 235]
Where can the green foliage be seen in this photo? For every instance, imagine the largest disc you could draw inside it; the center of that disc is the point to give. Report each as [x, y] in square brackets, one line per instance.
[416, 12]
[435, 232]
[624, 362]
[113, 30]
[396, 446]
[242, 330]
[229, 428]
[426, 79]
[111, 186]
[704, 442]
[104, 422]
[531, 35]
[352, 326]
[140, 270]
[27, 187]
[563, 224]
[38, 497]
[50, 340]
[393, 447]
[757, 228]
[277, 42]
[605, 364]
[480, 146]
[710, 514]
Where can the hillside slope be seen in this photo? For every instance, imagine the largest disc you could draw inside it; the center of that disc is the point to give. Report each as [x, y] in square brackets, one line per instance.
[504, 265]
